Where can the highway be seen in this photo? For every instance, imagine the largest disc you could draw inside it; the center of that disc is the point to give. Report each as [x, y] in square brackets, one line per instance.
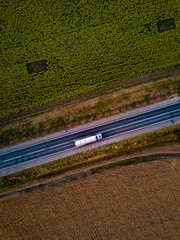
[108, 130]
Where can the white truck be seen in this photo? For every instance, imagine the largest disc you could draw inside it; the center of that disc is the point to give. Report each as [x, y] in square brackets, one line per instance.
[88, 140]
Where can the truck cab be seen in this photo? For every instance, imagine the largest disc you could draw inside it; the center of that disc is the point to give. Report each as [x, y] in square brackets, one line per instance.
[99, 136]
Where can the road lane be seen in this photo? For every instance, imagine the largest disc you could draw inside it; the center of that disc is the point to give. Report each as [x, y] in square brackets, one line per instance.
[108, 130]
[36, 155]
[97, 129]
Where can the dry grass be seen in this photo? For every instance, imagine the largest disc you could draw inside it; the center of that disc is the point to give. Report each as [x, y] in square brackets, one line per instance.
[164, 139]
[134, 202]
[111, 100]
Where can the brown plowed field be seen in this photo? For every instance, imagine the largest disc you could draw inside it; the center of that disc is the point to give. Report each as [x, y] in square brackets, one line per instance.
[133, 202]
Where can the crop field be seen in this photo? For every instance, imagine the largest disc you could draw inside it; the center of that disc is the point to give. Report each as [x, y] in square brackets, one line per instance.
[133, 202]
[55, 49]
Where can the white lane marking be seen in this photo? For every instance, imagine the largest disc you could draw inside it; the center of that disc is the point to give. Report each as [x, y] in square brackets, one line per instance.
[132, 123]
[92, 127]
[146, 119]
[129, 124]
[141, 128]
[83, 146]
[36, 159]
[33, 152]
[55, 153]
[58, 145]
[23, 155]
[10, 159]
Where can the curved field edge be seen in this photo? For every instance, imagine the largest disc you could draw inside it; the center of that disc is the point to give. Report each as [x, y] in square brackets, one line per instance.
[117, 154]
[87, 45]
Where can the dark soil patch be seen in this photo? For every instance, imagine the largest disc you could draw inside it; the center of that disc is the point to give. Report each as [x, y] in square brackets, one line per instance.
[166, 25]
[36, 67]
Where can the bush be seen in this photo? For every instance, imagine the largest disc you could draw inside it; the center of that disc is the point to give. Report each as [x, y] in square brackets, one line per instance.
[63, 124]
[38, 126]
[102, 114]
[126, 107]
[94, 116]
[79, 120]
[57, 119]
[147, 99]
[56, 127]
[87, 117]
[19, 136]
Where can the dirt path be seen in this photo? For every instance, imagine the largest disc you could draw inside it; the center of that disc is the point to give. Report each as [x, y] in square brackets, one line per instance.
[151, 155]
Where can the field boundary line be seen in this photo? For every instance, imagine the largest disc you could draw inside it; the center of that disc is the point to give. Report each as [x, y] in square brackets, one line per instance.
[89, 171]
[88, 95]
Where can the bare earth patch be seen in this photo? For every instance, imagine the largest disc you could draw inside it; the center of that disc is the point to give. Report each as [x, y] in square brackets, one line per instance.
[166, 25]
[36, 67]
[133, 202]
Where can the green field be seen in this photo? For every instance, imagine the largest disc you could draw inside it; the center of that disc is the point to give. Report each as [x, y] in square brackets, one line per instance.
[87, 44]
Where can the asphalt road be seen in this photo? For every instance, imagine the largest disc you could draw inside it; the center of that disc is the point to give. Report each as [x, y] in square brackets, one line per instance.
[108, 130]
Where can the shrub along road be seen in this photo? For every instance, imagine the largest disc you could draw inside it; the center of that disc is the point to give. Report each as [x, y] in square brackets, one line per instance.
[22, 157]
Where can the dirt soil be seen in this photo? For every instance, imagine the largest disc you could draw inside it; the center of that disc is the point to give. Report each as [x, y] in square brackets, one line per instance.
[133, 202]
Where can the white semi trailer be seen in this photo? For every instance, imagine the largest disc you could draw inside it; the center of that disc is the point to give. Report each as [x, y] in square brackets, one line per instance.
[88, 140]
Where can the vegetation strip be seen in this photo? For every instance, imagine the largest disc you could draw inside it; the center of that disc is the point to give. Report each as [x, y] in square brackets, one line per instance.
[102, 154]
[135, 160]
[99, 107]
[88, 95]
[84, 173]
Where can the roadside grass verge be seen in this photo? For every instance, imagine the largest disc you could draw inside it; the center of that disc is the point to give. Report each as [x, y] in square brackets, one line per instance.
[91, 158]
[90, 171]
[121, 100]
[135, 160]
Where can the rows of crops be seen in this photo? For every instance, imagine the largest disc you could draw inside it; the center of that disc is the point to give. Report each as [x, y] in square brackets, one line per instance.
[87, 44]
